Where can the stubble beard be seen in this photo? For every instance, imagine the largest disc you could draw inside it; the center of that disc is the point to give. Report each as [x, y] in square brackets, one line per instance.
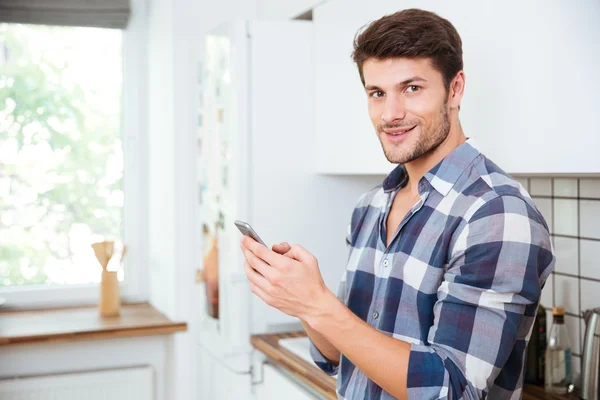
[427, 142]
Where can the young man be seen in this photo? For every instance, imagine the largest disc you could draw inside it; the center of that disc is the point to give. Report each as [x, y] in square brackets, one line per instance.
[447, 257]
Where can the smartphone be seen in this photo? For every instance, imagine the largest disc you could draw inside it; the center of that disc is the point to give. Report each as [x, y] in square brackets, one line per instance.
[247, 230]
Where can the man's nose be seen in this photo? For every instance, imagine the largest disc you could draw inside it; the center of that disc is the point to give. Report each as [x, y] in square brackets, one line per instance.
[393, 109]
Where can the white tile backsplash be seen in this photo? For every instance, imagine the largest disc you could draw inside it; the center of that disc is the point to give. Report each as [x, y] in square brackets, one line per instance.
[590, 218]
[589, 187]
[545, 207]
[572, 324]
[590, 294]
[566, 187]
[578, 218]
[566, 293]
[540, 187]
[567, 255]
[565, 217]
[546, 299]
[590, 258]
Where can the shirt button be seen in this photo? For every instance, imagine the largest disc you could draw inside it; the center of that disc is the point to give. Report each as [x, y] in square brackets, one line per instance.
[386, 262]
[375, 315]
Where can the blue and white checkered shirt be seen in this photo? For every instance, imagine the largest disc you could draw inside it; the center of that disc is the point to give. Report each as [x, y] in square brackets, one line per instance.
[460, 281]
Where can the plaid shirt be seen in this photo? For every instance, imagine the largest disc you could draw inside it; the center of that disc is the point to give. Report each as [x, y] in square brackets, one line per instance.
[460, 281]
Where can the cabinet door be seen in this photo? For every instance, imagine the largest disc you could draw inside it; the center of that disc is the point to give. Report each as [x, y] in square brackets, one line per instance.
[532, 94]
[277, 386]
[346, 142]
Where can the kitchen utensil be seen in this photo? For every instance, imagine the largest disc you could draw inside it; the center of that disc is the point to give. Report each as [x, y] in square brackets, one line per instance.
[590, 364]
[109, 303]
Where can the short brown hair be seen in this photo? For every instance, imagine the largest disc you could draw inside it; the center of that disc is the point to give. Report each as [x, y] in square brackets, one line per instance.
[411, 33]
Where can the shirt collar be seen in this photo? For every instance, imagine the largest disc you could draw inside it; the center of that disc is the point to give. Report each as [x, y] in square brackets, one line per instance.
[443, 176]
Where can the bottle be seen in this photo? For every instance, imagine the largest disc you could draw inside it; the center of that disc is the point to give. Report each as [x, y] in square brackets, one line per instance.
[536, 350]
[558, 355]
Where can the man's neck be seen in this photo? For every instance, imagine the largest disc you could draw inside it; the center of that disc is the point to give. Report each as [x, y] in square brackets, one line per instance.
[416, 169]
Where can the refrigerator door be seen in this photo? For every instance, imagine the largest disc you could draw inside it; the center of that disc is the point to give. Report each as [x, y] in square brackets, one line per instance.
[223, 197]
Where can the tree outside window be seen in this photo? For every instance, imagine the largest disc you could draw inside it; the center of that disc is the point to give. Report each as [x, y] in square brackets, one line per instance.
[61, 156]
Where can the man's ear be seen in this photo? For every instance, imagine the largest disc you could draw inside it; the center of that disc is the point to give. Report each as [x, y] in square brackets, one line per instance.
[457, 89]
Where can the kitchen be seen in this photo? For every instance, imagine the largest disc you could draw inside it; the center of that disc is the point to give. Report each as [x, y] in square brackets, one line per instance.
[197, 83]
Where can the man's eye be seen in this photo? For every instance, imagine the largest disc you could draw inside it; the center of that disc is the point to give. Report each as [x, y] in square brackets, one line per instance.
[377, 93]
[412, 88]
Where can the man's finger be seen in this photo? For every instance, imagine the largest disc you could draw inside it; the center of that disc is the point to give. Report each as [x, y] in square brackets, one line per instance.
[264, 253]
[257, 264]
[255, 278]
[262, 294]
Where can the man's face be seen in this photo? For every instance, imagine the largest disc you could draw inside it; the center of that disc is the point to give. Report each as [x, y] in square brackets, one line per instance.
[408, 106]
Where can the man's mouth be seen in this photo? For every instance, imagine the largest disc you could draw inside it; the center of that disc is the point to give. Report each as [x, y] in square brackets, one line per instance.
[399, 131]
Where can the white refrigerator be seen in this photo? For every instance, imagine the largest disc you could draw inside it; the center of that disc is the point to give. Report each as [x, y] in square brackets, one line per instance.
[256, 152]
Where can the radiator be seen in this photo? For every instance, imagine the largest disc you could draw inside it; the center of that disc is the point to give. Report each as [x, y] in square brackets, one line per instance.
[117, 384]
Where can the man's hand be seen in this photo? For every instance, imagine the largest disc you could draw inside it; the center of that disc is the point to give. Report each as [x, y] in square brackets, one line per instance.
[324, 346]
[287, 278]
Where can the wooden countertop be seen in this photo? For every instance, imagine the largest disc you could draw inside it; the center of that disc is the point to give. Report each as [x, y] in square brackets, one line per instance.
[533, 392]
[311, 375]
[306, 372]
[83, 323]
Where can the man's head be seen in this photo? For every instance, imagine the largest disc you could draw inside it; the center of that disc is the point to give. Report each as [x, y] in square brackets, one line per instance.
[410, 64]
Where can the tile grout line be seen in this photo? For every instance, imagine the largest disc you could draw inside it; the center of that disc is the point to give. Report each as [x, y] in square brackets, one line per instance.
[545, 196]
[583, 278]
[579, 257]
[591, 239]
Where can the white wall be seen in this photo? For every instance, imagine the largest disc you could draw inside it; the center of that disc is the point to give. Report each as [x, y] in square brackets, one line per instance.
[161, 148]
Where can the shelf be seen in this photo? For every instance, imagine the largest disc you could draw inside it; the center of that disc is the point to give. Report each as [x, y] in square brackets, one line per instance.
[83, 323]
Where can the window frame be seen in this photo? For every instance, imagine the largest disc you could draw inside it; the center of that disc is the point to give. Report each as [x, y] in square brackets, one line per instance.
[135, 188]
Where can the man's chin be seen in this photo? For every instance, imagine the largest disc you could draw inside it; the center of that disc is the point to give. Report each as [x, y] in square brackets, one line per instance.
[396, 158]
[398, 154]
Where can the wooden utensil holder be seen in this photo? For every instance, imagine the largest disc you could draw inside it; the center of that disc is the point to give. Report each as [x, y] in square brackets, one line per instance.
[110, 299]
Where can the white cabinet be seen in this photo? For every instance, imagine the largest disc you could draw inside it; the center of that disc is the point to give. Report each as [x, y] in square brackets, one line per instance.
[277, 386]
[288, 9]
[345, 139]
[62, 368]
[217, 381]
[532, 99]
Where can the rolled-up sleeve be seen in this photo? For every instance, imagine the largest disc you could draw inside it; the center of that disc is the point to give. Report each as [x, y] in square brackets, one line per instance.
[320, 360]
[323, 363]
[499, 261]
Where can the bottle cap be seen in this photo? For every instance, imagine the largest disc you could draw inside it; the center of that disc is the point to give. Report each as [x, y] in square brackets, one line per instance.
[558, 311]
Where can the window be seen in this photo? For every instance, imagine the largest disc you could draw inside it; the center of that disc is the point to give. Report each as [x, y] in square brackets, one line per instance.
[72, 107]
[60, 151]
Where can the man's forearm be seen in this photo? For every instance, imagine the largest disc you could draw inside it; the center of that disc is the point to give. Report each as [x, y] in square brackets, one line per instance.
[381, 358]
[325, 347]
